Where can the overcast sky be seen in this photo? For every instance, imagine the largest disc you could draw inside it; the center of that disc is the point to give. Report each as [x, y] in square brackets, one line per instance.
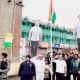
[66, 11]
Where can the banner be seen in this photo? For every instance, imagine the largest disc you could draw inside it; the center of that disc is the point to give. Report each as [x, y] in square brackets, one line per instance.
[22, 49]
[8, 40]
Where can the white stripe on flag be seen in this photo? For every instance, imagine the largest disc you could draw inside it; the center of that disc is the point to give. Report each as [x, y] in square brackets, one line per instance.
[8, 40]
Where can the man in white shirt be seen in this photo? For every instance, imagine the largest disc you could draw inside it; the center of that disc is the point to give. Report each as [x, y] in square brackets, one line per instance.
[40, 66]
[78, 33]
[35, 36]
[61, 67]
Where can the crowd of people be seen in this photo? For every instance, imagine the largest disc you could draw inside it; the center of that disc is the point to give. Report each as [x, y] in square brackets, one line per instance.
[36, 68]
[66, 65]
[58, 66]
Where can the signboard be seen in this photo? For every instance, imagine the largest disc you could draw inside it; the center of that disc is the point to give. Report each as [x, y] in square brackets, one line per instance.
[56, 45]
[43, 45]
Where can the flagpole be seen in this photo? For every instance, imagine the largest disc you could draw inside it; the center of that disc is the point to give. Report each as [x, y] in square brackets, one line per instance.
[50, 24]
[50, 10]
[51, 51]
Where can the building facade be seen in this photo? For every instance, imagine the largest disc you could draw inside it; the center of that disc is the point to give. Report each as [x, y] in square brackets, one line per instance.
[10, 22]
[59, 35]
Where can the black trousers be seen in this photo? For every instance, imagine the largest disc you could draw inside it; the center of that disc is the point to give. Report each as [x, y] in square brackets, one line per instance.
[78, 76]
[34, 47]
[47, 79]
[27, 77]
[68, 77]
[78, 42]
[60, 76]
[75, 76]
[53, 77]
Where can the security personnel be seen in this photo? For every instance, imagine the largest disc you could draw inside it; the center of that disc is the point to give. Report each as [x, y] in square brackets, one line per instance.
[27, 69]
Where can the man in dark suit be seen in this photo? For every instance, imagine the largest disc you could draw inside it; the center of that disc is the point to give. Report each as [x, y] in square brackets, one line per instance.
[27, 69]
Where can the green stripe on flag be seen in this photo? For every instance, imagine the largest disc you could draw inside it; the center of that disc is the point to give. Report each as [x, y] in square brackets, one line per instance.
[8, 44]
[53, 17]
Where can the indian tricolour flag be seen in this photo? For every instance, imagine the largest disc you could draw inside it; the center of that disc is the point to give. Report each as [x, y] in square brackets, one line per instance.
[8, 40]
[52, 13]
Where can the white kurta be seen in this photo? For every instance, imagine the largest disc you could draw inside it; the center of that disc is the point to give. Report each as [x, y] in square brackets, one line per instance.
[78, 30]
[36, 32]
[40, 67]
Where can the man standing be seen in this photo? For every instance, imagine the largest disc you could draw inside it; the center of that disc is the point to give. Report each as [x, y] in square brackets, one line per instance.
[74, 67]
[4, 66]
[79, 71]
[40, 66]
[61, 67]
[35, 36]
[27, 69]
[78, 66]
[78, 33]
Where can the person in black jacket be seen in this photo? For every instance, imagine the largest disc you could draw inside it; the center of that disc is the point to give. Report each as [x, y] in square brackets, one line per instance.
[47, 72]
[79, 71]
[4, 66]
[54, 70]
[27, 69]
[79, 67]
[68, 62]
[54, 66]
[74, 66]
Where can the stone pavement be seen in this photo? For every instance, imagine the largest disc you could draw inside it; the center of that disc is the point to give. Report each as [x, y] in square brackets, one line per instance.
[17, 78]
[14, 78]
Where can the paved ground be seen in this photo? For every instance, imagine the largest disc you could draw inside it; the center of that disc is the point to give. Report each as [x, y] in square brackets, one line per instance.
[17, 78]
[14, 78]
